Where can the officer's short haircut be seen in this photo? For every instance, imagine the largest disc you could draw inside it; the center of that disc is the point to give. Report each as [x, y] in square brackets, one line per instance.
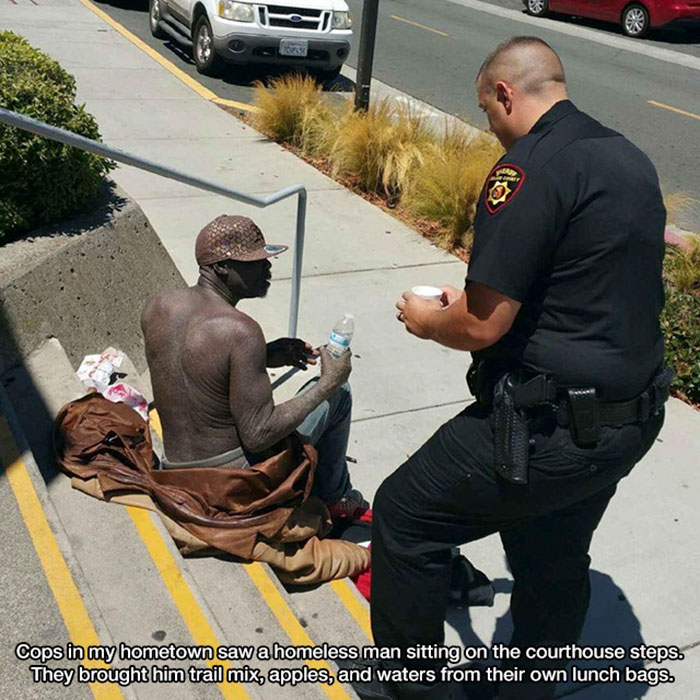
[525, 61]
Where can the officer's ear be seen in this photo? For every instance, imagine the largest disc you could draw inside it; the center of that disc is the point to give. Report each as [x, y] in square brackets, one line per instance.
[504, 95]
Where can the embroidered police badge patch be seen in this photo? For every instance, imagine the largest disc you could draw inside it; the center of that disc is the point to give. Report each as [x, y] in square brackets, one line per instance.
[502, 185]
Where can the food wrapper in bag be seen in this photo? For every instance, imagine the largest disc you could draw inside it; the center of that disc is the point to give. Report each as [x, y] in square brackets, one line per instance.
[128, 395]
[96, 371]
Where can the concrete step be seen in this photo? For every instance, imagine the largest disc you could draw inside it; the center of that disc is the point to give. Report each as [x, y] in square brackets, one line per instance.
[115, 562]
[31, 614]
[334, 613]
[144, 591]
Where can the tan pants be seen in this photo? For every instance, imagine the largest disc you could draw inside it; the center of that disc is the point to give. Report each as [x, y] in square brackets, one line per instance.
[298, 553]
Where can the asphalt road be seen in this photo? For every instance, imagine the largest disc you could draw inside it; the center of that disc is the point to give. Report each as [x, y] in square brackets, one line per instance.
[437, 62]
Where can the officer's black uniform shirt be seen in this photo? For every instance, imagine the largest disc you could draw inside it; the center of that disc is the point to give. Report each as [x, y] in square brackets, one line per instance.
[571, 224]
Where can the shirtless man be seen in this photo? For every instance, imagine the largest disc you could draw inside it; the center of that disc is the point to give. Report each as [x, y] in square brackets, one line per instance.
[208, 365]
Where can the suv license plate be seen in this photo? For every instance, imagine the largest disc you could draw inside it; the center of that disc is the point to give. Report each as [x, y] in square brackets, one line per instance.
[294, 47]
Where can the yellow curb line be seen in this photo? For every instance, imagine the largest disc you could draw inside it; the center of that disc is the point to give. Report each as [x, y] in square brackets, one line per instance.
[416, 24]
[236, 105]
[70, 604]
[202, 91]
[355, 608]
[291, 625]
[288, 621]
[673, 109]
[187, 605]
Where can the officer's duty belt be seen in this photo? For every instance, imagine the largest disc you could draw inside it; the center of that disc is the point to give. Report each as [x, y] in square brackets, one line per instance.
[510, 393]
[581, 410]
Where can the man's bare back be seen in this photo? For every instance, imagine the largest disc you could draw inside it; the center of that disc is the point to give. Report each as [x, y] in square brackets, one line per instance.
[188, 340]
[209, 361]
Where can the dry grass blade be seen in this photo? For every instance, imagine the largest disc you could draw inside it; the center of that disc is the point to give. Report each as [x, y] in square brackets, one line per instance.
[381, 147]
[289, 107]
[447, 186]
[680, 206]
[684, 268]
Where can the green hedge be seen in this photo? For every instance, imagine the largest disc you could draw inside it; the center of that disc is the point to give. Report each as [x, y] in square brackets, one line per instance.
[42, 181]
[680, 321]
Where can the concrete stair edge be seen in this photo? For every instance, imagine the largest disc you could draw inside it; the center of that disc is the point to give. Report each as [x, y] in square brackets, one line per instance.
[59, 532]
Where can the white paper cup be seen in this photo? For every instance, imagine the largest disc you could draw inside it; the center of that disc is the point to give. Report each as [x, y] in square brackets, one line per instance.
[426, 292]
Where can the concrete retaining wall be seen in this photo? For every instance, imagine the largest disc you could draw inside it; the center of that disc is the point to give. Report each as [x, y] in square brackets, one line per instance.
[83, 282]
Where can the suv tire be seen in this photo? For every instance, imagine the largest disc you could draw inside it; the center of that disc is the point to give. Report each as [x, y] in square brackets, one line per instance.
[206, 60]
[154, 17]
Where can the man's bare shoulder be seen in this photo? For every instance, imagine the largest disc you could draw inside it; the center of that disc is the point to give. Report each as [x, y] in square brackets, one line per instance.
[225, 321]
[161, 302]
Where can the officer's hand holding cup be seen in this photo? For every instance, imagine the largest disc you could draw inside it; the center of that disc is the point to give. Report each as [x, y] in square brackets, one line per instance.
[414, 304]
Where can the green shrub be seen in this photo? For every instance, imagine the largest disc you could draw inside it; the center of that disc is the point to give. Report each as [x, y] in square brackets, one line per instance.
[680, 320]
[42, 181]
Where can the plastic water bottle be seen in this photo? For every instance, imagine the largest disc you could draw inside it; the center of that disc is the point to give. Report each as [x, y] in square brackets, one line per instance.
[341, 335]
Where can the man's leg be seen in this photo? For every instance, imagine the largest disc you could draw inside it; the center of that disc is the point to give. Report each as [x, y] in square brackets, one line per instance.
[437, 499]
[327, 428]
[548, 557]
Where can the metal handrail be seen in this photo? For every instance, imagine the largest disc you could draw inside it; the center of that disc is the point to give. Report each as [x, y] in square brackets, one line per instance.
[101, 149]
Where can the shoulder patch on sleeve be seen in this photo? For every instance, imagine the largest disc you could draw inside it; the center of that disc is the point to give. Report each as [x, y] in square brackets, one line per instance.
[502, 185]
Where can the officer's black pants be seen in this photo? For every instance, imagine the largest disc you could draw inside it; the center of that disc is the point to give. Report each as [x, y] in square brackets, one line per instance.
[446, 494]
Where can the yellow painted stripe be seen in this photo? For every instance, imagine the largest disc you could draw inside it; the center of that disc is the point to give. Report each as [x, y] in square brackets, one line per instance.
[290, 624]
[236, 105]
[75, 616]
[674, 109]
[355, 608]
[204, 92]
[275, 602]
[417, 24]
[154, 420]
[190, 610]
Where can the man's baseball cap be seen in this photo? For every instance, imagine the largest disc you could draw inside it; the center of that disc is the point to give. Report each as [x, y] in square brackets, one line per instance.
[233, 238]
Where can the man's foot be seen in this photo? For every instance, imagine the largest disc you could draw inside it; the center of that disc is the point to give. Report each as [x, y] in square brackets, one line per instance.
[351, 507]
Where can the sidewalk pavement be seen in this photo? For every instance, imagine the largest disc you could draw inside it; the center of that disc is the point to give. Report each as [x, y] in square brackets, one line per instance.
[360, 259]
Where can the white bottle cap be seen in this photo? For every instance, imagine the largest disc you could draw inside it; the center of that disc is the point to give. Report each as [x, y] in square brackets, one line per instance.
[350, 316]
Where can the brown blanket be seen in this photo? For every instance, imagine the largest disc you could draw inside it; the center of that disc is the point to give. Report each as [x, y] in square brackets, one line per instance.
[261, 513]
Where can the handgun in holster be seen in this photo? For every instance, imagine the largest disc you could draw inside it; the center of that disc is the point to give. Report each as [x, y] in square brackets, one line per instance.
[511, 432]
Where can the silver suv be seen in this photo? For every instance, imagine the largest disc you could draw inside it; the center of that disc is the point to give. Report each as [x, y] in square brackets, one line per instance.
[311, 33]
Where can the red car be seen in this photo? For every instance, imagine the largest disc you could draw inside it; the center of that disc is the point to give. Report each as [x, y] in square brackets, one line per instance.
[635, 16]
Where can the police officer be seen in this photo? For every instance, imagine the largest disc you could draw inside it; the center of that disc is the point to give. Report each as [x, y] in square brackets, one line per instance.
[561, 314]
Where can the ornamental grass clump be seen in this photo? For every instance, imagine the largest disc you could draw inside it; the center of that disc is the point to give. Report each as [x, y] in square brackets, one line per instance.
[42, 181]
[381, 148]
[291, 110]
[446, 187]
[680, 320]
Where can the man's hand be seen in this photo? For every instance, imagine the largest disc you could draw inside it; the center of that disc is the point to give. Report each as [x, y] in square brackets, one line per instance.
[335, 370]
[290, 352]
[414, 313]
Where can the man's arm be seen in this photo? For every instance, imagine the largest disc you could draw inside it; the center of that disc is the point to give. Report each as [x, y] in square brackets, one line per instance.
[260, 424]
[474, 320]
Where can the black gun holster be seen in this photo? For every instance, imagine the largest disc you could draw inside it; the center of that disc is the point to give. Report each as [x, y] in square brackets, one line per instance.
[511, 432]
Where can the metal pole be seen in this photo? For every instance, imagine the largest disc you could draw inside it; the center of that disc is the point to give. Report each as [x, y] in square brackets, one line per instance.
[370, 12]
[296, 264]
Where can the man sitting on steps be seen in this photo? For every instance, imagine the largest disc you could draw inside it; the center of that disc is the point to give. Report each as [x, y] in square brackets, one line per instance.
[208, 365]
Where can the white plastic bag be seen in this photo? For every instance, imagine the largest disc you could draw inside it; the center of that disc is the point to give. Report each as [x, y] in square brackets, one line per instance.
[98, 372]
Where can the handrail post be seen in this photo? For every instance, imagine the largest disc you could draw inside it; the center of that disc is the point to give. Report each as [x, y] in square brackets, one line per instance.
[297, 263]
